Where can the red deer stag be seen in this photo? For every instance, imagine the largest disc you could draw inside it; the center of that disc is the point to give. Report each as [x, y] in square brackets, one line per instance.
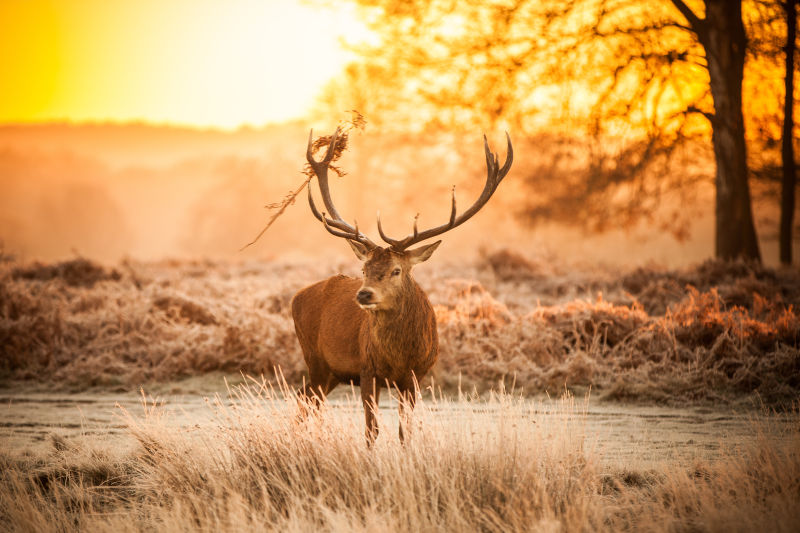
[380, 329]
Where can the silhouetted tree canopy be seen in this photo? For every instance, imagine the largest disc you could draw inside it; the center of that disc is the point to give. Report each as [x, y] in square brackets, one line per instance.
[629, 87]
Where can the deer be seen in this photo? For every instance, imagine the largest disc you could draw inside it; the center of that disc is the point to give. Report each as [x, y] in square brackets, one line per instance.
[380, 329]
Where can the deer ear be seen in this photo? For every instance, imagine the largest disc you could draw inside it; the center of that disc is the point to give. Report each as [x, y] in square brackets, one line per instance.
[361, 251]
[423, 253]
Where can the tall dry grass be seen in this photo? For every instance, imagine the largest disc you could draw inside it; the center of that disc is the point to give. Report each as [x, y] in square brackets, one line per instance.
[502, 464]
[718, 331]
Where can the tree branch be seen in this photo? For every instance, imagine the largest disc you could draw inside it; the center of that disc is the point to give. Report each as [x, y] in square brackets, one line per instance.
[697, 24]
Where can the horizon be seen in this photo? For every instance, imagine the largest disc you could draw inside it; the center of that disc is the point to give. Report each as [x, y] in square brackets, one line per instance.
[123, 123]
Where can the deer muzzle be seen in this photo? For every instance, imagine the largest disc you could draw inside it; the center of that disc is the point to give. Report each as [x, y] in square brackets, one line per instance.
[365, 299]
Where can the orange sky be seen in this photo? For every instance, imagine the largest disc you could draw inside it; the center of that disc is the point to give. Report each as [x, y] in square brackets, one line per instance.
[191, 62]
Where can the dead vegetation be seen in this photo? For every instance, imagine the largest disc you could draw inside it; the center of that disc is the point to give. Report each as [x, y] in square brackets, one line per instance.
[495, 465]
[719, 331]
[75, 273]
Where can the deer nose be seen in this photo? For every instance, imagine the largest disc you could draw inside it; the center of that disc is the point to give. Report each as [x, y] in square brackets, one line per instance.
[364, 296]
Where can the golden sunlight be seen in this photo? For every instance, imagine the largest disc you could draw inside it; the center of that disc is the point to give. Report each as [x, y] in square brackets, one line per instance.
[191, 62]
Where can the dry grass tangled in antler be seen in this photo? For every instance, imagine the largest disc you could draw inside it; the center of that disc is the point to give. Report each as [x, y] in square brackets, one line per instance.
[356, 121]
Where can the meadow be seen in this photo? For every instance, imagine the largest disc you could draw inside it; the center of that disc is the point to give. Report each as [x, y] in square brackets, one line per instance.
[715, 332]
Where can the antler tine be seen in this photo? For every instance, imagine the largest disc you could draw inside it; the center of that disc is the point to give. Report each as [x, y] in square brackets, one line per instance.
[494, 175]
[320, 216]
[491, 159]
[509, 158]
[336, 232]
[453, 207]
[330, 222]
[331, 147]
[392, 242]
[333, 228]
[309, 154]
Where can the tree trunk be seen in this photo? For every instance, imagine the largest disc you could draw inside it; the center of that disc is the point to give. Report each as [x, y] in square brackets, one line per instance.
[722, 35]
[787, 142]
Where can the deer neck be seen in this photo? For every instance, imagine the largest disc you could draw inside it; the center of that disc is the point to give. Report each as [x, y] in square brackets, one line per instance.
[403, 330]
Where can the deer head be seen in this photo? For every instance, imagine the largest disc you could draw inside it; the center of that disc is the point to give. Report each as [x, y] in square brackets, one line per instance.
[387, 274]
[387, 270]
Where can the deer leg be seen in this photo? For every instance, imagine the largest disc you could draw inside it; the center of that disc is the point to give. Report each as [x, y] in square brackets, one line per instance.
[313, 393]
[370, 392]
[407, 399]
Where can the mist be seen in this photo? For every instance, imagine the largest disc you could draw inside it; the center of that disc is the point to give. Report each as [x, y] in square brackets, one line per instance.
[146, 192]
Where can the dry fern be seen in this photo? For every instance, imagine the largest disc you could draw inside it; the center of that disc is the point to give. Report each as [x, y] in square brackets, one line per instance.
[355, 122]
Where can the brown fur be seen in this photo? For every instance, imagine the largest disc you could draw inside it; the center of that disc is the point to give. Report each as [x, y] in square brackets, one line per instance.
[394, 343]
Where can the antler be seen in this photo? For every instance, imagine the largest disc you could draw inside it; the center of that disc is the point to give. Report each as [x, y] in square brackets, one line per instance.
[494, 175]
[336, 225]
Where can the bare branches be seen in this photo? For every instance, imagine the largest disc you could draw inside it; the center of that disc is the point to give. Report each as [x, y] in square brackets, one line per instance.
[697, 24]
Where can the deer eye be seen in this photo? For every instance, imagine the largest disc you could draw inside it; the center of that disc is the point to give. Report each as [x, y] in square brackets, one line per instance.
[396, 272]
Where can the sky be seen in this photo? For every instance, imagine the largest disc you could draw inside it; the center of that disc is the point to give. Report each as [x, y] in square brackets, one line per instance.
[201, 63]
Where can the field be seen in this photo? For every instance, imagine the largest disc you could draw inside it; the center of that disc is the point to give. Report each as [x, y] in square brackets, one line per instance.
[705, 358]
[715, 332]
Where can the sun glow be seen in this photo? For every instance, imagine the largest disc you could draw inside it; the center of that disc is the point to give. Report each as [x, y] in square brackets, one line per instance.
[193, 62]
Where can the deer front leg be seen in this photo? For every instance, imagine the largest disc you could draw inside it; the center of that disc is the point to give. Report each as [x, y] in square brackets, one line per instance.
[370, 392]
[407, 399]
